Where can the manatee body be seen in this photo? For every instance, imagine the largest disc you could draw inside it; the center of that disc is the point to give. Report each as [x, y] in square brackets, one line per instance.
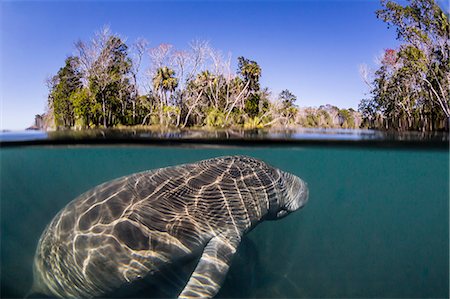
[129, 228]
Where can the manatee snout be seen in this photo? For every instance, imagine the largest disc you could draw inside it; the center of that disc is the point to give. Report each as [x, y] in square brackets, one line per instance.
[302, 192]
[297, 192]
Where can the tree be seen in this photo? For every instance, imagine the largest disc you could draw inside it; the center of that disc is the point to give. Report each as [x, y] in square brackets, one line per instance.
[84, 107]
[284, 110]
[106, 68]
[346, 119]
[371, 116]
[249, 72]
[140, 47]
[164, 82]
[411, 88]
[100, 87]
[287, 98]
[63, 85]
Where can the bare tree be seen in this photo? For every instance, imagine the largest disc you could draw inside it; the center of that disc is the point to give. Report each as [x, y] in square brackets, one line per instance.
[198, 54]
[365, 74]
[180, 62]
[140, 48]
[96, 58]
[94, 61]
[160, 57]
[189, 64]
[239, 97]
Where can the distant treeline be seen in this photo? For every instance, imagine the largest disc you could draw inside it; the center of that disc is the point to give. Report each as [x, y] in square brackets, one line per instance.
[100, 87]
[411, 88]
[105, 84]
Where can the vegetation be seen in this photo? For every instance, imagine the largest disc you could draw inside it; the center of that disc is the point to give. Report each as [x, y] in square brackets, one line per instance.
[410, 90]
[64, 89]
[329, 117]
[100, 87]
[106, 85]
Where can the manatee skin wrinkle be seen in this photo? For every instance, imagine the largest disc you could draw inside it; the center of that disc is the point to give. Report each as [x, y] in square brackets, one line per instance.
[126, 229]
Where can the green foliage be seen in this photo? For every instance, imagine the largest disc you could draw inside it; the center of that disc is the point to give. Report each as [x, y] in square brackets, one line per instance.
[99, 88]
[287, 109]
[287, 99]
[410, 89]
[369, 111]
[215, 118]
[347, 120]
[171, 110]
[254, 123]
[329, 117]
[325, 119]
[84, 107]
[64, 84]
[170, 115]
[250, 72]
[252, 105]
[312, 120]
[165, 80]
[109, 83]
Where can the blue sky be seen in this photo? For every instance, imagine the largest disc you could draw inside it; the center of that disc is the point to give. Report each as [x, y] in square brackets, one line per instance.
[313, 48]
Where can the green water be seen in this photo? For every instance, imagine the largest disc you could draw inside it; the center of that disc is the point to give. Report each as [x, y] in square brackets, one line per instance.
[376, 224]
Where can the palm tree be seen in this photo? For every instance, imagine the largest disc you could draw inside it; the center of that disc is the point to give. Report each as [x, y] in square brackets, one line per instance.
[250, 72]
[164, 81]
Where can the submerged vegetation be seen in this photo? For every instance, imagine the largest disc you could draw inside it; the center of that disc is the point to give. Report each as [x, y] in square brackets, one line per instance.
[107, 84]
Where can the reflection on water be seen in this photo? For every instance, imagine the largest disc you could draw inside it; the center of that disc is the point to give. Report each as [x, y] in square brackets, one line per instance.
[376, 224]
[298, 134]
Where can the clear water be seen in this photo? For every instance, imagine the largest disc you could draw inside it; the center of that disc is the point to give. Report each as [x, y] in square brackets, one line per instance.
[376, 225]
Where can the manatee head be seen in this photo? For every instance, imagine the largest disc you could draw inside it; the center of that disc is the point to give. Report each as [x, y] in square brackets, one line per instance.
[293, 195]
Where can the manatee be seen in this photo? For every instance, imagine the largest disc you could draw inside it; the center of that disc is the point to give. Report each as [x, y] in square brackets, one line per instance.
[129, 228]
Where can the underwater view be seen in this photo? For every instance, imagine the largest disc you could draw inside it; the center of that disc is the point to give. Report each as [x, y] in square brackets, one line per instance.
[375, 224]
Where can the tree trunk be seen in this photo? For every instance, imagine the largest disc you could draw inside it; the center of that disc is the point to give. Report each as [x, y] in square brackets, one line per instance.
[192, 108]
[178, 119]
[145, 118]
[235, 102]
[104, 110]
[161, 108]
[134, 111]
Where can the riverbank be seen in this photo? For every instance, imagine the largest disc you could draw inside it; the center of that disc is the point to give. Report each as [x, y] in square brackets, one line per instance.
[322, 117]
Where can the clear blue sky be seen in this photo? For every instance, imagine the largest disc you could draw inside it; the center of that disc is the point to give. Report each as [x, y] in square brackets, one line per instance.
[313, 48]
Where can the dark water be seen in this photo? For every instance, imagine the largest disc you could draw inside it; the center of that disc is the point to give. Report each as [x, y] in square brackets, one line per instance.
[376, 225]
